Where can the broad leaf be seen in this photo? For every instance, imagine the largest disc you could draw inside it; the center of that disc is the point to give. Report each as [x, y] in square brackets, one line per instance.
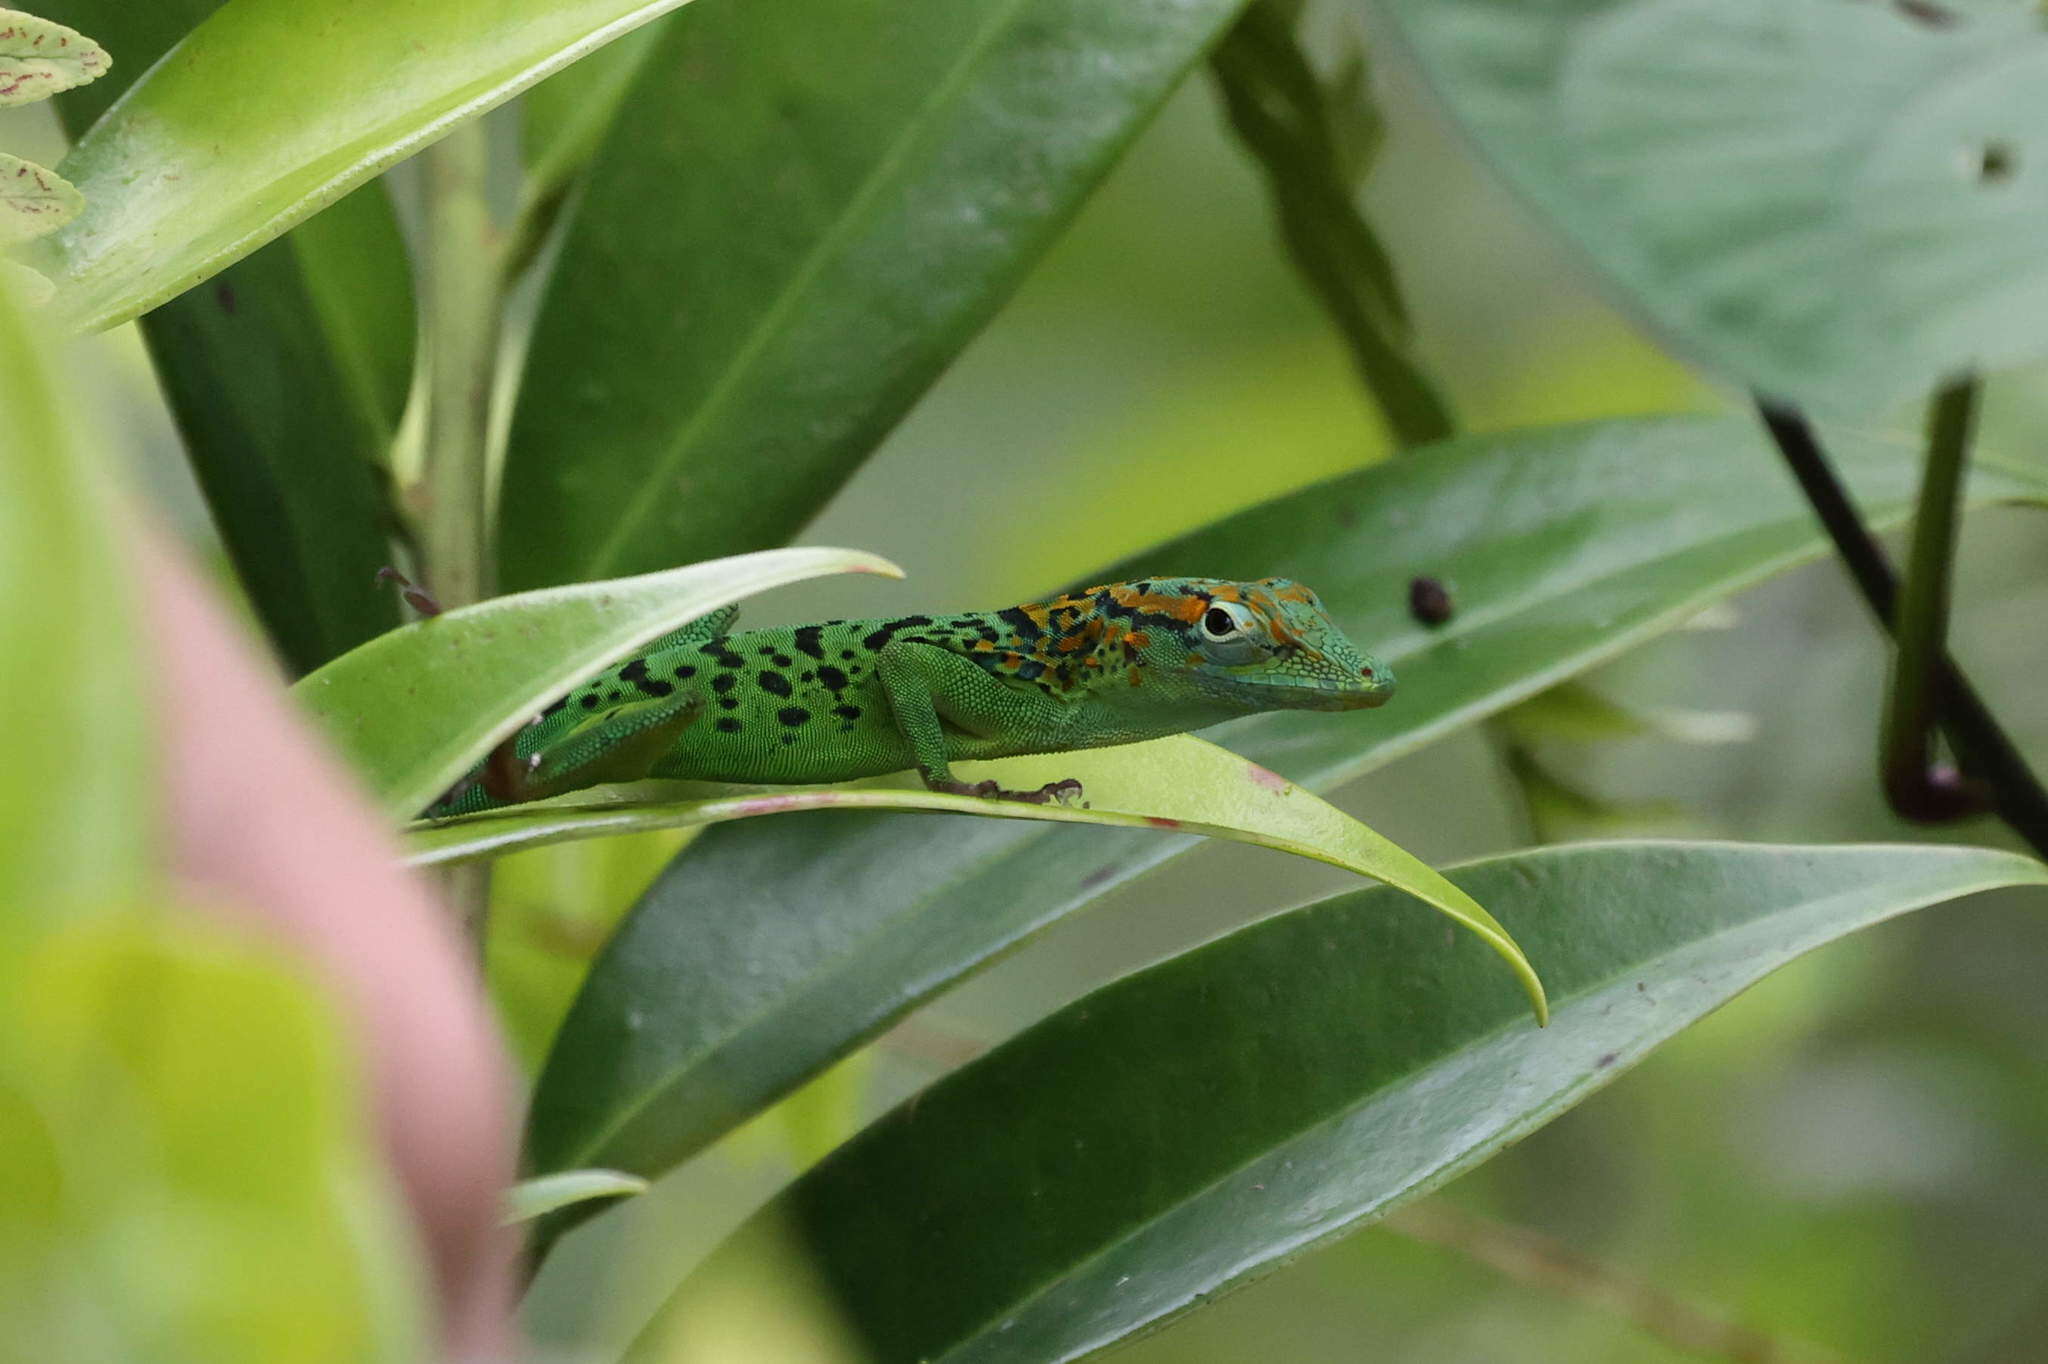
[74, 819]
[860, 185]
[1559, 549]
[616, 1092]
[563, 120]
[1190, 1126]
[39, 58]
[416, 707]
[287, 373]
[1833, 202]
[177, 185]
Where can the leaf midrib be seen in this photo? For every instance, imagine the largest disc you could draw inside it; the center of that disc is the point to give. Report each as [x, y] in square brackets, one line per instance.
[653, 483]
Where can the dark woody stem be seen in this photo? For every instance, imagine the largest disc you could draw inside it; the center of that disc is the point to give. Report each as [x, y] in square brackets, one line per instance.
[1987, 756]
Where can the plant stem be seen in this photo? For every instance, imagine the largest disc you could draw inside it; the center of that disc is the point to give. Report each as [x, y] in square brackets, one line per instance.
[1276, 107]
[1918, 787]
[461, 307]
[1531, 1257]
[460, 304]
[1981, 745]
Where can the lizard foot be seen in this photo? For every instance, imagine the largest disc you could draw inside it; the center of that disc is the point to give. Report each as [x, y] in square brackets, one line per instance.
[1052, 793]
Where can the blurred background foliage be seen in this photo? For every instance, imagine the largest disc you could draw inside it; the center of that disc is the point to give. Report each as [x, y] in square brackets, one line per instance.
[1849, 1158]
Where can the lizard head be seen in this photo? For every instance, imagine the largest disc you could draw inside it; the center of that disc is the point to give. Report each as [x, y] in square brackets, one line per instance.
[1266, 645]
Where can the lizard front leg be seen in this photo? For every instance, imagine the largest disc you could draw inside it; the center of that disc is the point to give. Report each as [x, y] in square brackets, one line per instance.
[929, 688]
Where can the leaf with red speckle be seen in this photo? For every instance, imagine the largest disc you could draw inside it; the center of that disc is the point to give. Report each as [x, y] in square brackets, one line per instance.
[38, 58]
[33, 200]
[1178, 784]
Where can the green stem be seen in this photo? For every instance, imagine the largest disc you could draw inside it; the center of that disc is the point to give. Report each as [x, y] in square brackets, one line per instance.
[1276, 107]
[460, 306]
[1916, 785]
[461, 309]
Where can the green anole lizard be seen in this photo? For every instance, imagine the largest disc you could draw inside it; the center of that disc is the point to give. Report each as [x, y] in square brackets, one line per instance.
[857, 698]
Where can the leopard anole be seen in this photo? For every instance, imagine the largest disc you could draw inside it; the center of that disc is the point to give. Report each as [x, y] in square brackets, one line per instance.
[857, 698]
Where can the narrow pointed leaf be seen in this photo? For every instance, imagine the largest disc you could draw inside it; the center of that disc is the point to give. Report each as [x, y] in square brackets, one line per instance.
[416, 707]
[862, 185]
[531, 1198]
[619, 1093]
[1187, 1128]
[177, 187]
[1833, 202]
[1178, 785]
[39, 58]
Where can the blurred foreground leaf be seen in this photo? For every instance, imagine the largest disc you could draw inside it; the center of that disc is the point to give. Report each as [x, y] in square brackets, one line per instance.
[416, 707]
[189, 1169]
[1186, 1128]
[75, 827]
[861, 184]
[1835, 203]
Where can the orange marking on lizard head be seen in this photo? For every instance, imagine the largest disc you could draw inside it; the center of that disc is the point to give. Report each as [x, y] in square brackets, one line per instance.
[1185, 607]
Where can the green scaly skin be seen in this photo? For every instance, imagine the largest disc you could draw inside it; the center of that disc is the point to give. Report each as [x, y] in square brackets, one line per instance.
[857, 698]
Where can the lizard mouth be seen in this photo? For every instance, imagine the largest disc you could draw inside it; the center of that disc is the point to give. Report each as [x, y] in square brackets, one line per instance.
[1327, 696]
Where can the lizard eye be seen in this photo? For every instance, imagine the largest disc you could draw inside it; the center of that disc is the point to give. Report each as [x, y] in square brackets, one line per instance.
[1225, 620]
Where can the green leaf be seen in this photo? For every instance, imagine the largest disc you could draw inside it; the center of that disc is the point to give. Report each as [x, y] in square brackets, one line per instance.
[671, 1046]
[867, 183]
[564, 118]
[75, 823]
[1561, 548]
[287, 376]
[31, 289]
[39, 59]
[417, 707]
[209, 1187]
[34, 200]
[281, 435]
[178, 183]
[1836, 203]
[1180, 785]
[1185, 1129]
[531, 1198]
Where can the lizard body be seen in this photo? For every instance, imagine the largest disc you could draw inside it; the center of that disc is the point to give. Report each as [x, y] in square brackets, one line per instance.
[830, 702]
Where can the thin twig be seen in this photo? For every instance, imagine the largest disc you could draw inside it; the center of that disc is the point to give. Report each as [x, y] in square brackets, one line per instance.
[1981, 746]
[1530, 1257]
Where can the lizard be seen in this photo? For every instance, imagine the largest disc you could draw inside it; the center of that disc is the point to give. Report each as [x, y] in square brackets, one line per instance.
[839, 700]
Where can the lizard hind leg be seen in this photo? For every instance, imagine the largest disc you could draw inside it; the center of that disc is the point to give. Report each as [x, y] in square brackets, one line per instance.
[620, 744]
